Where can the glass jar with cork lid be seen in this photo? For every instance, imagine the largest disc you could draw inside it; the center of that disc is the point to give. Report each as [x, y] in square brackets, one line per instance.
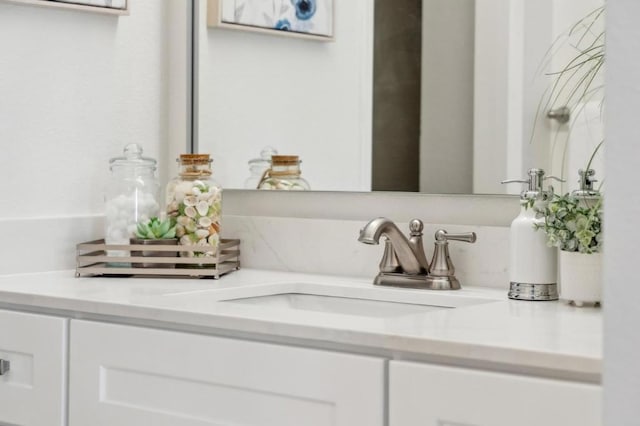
[194, 199]
[284, 175]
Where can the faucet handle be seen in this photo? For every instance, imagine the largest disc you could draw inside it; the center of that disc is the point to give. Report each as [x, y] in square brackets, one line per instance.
[442, 272]
[416, 227]
[467, 237]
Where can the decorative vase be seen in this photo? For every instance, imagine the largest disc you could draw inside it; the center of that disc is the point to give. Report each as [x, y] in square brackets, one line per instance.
[581, 278]
[154, 253]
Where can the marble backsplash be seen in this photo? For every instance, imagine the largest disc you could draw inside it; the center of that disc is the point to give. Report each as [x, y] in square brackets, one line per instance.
[323, 246]
[330, 247]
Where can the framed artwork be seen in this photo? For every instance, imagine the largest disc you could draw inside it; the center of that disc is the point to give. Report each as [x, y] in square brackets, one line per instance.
[112, 7]
[298, 18]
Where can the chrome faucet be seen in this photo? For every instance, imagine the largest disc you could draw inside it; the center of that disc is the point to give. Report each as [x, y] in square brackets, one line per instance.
[404, 263]
[411, 261]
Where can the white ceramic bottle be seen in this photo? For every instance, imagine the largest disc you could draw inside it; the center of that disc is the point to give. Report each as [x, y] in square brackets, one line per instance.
[533, 266]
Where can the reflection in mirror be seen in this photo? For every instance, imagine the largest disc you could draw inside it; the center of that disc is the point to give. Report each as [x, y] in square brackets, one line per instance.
[435, 96]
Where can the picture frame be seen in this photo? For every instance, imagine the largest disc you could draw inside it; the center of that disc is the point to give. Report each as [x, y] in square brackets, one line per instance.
[306, 19]
[119, 8]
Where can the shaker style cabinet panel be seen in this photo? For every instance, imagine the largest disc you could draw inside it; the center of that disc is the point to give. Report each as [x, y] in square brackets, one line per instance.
[126, 376]
[429, 395]
[33, 369]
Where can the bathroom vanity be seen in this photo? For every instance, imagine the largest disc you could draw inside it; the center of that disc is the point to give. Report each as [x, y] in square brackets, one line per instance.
[275, 348]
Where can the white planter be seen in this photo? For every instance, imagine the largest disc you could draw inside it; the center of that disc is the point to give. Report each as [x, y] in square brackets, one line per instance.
[580, 277]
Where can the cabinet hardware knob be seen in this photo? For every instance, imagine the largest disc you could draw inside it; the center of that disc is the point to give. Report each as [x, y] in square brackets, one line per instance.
[4, 366]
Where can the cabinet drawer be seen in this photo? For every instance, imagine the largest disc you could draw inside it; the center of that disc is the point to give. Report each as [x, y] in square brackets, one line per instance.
[124, 375]
[428, 395]
[32, 392]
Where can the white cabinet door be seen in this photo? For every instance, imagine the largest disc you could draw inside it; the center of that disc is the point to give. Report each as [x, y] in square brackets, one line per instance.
[132, 376]
[428, 395]
[32, 392]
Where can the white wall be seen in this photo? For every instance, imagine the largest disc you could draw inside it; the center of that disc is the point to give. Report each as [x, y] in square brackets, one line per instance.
[74, 89]
[622, 210]
[257, 90]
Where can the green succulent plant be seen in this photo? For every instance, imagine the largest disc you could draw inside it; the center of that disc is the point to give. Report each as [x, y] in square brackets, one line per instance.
[156, 229]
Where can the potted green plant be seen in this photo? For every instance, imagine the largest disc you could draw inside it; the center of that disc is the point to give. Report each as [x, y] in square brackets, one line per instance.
[155, 232]
[573, 224]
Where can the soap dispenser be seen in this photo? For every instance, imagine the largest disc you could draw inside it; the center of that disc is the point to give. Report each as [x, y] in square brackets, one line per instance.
[587, 195]
[532, 264]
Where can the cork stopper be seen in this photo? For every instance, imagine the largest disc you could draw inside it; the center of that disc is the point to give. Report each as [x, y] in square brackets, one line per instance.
[285, 160]
[194, 159]
[194, 166]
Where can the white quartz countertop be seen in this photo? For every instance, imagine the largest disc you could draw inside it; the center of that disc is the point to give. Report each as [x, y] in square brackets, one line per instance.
[549, 339]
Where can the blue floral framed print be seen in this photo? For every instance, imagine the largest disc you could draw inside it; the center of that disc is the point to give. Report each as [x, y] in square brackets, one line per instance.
[307, 17]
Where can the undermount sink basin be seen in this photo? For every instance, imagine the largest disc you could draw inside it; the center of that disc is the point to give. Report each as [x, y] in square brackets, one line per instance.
[354, 300]
[337, 305]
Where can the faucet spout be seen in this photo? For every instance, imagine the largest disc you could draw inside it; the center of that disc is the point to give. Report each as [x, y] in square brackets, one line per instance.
[409, 260]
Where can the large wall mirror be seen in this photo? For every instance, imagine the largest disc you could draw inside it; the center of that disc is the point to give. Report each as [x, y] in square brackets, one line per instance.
[431, 96]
